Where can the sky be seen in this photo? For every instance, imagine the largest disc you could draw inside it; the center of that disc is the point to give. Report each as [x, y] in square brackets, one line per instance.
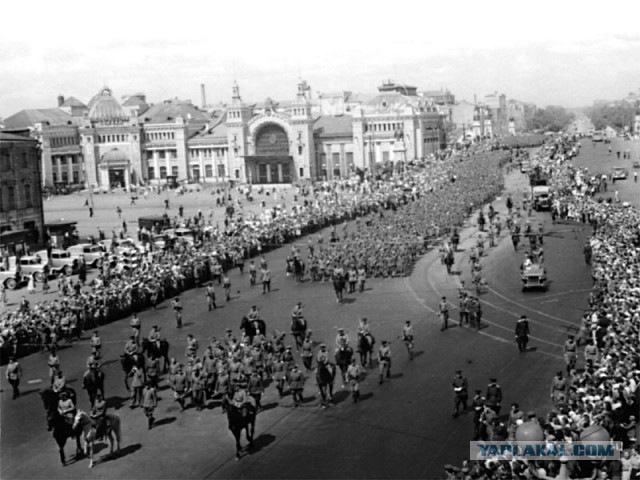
[560, 52]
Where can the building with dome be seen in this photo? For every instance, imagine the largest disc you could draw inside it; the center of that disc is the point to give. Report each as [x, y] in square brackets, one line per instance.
[110, 143]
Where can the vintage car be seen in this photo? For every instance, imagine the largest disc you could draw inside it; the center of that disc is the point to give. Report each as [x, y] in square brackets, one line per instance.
[93, 255]
[534, 276]
[120, 245]
[619, 173]
[9, 277]
[36, 264]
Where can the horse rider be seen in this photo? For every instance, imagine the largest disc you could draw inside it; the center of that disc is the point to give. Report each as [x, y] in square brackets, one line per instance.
[307, 351]
[135, 325]
[354, 373]
[323, 355]
[154, 337]
[364, 330]
[241, 399]
[342, 339]
[66, 407]
[407, 337]
[59, 382]
[384, 361]
[92, 361]
[296, 313]
[54, 364]
[96, 345]
[131, 347]
[570, 353]
[253, 314]
[460, 387]
[99, 414]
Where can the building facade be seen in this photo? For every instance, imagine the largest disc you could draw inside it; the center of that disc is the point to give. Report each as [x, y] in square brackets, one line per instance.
[20, 193]
[108, 144]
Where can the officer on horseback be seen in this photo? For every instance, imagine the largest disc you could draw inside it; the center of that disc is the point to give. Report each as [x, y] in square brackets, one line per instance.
[342, 339]
[131, 347]
[66, 407]
[154, 337]
[323, 355]
[99, 414]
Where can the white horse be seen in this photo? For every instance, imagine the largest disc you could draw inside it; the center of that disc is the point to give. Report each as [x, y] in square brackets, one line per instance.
[84, 422]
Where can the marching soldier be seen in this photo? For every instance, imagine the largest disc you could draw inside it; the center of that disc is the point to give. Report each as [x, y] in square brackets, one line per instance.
[559, 387]
[14, 372]
[384, 361]
[460, 387]
[211, 296]
[478, 407]
[354, 372]
[177, 309]
[443, 313]
[149, 403]
[493, 396]
[570, 353]
[307, 351]
[522, 333]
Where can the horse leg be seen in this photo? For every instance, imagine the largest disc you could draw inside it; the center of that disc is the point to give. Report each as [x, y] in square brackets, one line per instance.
[61, 443]
[237, 433]
[90, 447]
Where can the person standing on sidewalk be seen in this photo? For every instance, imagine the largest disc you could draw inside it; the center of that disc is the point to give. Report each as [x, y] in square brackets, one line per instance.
[443, 313]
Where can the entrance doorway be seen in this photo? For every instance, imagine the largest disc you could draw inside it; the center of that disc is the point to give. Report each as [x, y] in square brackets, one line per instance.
[116, 177]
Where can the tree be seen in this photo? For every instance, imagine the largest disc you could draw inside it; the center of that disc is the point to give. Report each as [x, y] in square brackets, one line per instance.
[617, 115]
[552, 118]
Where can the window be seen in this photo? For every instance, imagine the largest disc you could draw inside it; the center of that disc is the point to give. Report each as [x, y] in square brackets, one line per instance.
[76, 176]
[65, 177]
[163, 172]
[25, 160]
[208, 171]
[151, 173]
[237, 173]
[12, 197]
[349, 160]
[301, 172]
[28, 201]
[385, 156]
[161, 154]
[221, 170]
[299, 149]
[55, 177]
[173, 154]
[174, 170]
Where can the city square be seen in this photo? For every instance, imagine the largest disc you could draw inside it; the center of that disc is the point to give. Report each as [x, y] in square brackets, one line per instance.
[402, 221]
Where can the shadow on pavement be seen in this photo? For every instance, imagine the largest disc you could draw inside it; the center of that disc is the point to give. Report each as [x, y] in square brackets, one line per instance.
[164, 421]
[341, 396]
[418, 353]
[269, 406]
[263, 441]
[117, 402]
[365, 396]
[348, 300]
[123, 452]
[397, 375]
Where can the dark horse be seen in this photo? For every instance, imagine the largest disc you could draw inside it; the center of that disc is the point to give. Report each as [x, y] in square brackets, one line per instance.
[343, 359]
[339, 284]
[365, 348]
[243, 418]
[298, 330]
[128, 361]
[62, 430]
[93, 382]
[449, 259]
[150, 349]
[325, 375]
[252, 328]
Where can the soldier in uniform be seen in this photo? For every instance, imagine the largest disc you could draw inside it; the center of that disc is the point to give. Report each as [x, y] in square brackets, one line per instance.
[256, 388]
[252, 272]
[522, 333]
[443, 313]
[407, 337]
[516, 416]
[342, 339]
[137, 382]
[211, 296]
[384, 361]
[135, 325]
[296, 385]
[154, 337]
[149, 403]
[99, 414]
[307, 351]
[570, 353]
[559, 387]
[464, 309]
[66, 407]
[493, 396]
[131, 347]
[59, 382]
[96, 345]
[354, 372]
[13, 373]
[226, 284]
[152, 370]
[54, 364]
[180, 386]
[478, 407]
[460, 387]
[177, 309]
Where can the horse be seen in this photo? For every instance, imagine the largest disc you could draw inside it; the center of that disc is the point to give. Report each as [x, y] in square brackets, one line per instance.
[365, 348]
[240, 419]
[93, 382]
[298, 330]
[162, 351]
[84, 424]
[249, 327]
[62, 430]
[127, 362]
[343, 357]
[449, 260]
[339, 284]
[325, 375]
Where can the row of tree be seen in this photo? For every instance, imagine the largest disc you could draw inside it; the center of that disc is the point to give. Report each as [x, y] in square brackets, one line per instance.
[617, 115]
[550, 119]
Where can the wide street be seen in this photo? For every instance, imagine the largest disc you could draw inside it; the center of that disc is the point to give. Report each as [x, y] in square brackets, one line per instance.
[401, 429]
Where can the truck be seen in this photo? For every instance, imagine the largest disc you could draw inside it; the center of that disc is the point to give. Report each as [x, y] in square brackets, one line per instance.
[541, 197]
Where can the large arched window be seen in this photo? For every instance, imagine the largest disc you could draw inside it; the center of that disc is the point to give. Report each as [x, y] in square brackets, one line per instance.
[272, 140]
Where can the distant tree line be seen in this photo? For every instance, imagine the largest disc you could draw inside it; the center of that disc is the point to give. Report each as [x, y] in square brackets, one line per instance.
[617, 115]
[550, 119]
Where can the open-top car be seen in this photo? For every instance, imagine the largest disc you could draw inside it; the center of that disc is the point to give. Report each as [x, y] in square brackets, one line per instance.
[619, 173]
[534, 276]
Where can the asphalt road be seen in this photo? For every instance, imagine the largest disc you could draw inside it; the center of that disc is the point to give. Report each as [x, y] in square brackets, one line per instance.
[401, 429]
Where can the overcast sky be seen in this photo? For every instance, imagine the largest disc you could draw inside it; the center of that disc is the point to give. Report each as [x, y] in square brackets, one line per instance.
[547, 52]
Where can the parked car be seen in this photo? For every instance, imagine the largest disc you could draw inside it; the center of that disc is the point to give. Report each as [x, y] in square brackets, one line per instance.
[10, 277]
[120, 245]
[93, 255]
[61, 261]
[36, 264]
[619, 173]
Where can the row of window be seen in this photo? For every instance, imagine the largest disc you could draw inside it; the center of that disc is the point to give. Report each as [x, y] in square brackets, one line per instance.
[16, 198]
[207, 152]
[9, 160]
[195, 171]
[113, 138]
[63, 141]
[151, 136]
[382, 127]
[62, 161]
[64, 177]
[162, 154]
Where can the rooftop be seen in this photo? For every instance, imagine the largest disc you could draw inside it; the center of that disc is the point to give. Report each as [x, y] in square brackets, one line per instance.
[168, 111]
[328, 125]
[28, 118]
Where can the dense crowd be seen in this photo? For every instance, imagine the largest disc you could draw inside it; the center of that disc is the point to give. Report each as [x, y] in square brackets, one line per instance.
[604, 394]
[396, 218]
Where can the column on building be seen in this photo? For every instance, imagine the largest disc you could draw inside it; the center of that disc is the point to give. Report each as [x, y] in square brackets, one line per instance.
[156, 165]
[203, 172]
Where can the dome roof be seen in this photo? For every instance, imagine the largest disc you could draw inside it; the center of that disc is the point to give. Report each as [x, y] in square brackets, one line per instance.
[104, 108]
[114, 157]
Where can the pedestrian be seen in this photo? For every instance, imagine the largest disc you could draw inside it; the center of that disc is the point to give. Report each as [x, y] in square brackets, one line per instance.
[177, 310]
[265, 276]
[31, 286]
[54, 364]
[443, 313]
[226, 284]
[90, 212]
[464, 309]
[137, 382]
[149, 402]
[493, 396]
[460, 387]
[119, 211]
[13, 373]
[211, 296]
[522, 333]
